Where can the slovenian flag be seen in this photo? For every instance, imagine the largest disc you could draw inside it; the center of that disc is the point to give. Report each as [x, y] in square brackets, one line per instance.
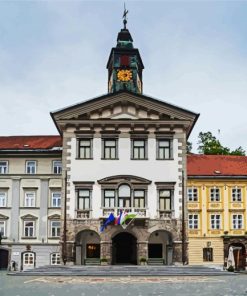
[118, 219]
[110, 219]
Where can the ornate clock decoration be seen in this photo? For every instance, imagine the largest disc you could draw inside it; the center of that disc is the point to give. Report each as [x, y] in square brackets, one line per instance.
[124, 75]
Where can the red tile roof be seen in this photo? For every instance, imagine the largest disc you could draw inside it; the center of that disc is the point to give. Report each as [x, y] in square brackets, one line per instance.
[29, 142]
[216, 165]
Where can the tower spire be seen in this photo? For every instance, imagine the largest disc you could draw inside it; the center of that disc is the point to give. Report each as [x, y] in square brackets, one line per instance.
[125, 16]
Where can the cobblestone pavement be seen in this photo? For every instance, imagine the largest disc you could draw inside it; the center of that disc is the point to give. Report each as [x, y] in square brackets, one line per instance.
[119, 286]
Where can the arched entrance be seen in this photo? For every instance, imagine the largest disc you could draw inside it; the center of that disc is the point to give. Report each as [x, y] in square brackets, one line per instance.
[87, 248]
[239, 255]
[124, 249]
[160, 250]
[4, 258]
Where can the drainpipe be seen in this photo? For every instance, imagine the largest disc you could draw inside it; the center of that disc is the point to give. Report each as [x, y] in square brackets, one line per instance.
[64, 246]
[183, 223]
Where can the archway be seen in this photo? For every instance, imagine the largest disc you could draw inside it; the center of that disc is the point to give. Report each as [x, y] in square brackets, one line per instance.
[124, 249]
[4, 258]
[239, 255]
[87, 248]
[160, 250]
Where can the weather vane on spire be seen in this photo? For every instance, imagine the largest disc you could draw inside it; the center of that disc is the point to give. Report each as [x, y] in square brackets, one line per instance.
[125, 16]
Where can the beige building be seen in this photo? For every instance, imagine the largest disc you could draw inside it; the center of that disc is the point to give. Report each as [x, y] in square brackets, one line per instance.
[217, 216]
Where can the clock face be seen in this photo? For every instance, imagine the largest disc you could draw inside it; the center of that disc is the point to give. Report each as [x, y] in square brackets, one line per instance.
[124, 75]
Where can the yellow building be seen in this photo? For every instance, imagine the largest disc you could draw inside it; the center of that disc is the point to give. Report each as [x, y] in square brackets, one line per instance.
[216, 204]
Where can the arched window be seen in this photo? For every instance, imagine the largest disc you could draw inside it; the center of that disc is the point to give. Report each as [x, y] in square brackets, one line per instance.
[124, 196]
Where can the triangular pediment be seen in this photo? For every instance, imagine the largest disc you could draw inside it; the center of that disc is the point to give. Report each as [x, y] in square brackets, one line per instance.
[123, 105]
[29, 217]
[3, 217]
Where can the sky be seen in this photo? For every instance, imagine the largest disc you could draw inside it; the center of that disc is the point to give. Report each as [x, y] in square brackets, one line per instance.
[54, 53]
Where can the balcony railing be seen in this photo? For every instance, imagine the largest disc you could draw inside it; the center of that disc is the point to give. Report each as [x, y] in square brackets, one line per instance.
[140, 212]
[82, 214]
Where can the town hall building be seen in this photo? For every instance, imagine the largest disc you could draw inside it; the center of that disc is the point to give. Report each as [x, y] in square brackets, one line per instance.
[120, 152]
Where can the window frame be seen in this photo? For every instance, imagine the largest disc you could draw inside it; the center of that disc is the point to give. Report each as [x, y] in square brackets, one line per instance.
[84, 198]
[110, 198]
[57, 258]
[56, 199]
[56, 169]
[164, 149]
[104, 147]
[215, 223]
[57, 229]
[124, 198]
[90, 147]
[28, 229]
[237, 225]
[3, 198]
[144, 147]
[27, 167]
[235, 196]
[4, 227]
[165, 198]
[193, 196]
[26, 198]
[139, 198]
[192, 222]
[4, 169]
[213, 194]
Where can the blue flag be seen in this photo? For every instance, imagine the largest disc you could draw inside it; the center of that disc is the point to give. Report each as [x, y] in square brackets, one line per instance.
[110, 219]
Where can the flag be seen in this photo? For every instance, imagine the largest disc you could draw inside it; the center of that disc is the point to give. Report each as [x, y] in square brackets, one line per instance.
[118, 219]
[108, 221]
[127, 216]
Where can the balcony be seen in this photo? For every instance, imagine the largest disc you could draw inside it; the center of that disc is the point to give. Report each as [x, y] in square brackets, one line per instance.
[140, 212]
[166, 215]
[82, 214]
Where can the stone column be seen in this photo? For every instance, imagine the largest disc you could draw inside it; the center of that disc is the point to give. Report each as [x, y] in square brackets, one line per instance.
[106, 250]
[142, 250]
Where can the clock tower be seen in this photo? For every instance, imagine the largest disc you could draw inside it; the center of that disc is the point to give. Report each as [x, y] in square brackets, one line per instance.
[125, 64]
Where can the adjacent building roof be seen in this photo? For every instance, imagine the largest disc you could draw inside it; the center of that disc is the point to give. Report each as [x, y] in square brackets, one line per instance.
[216, 165]
[30, 143]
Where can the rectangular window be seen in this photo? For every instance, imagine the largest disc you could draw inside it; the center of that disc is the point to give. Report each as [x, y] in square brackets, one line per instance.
[56, 199]
[109, 198]
[207, 254]
[55, 228]
[193, 221]
[85, 149]
[215, 221]
[55, 259]
[139, 149]
[139, 198]
[2, 228]
[236, 194]
[3, 199]
[192, 194]
[31, 167]
[214, 194]
[29, 228]
[57, 167]
[29, 200]
[165, 200]
[237, 221]
[163, 149]
[3, 167]
[109, 149]
[83, 199]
